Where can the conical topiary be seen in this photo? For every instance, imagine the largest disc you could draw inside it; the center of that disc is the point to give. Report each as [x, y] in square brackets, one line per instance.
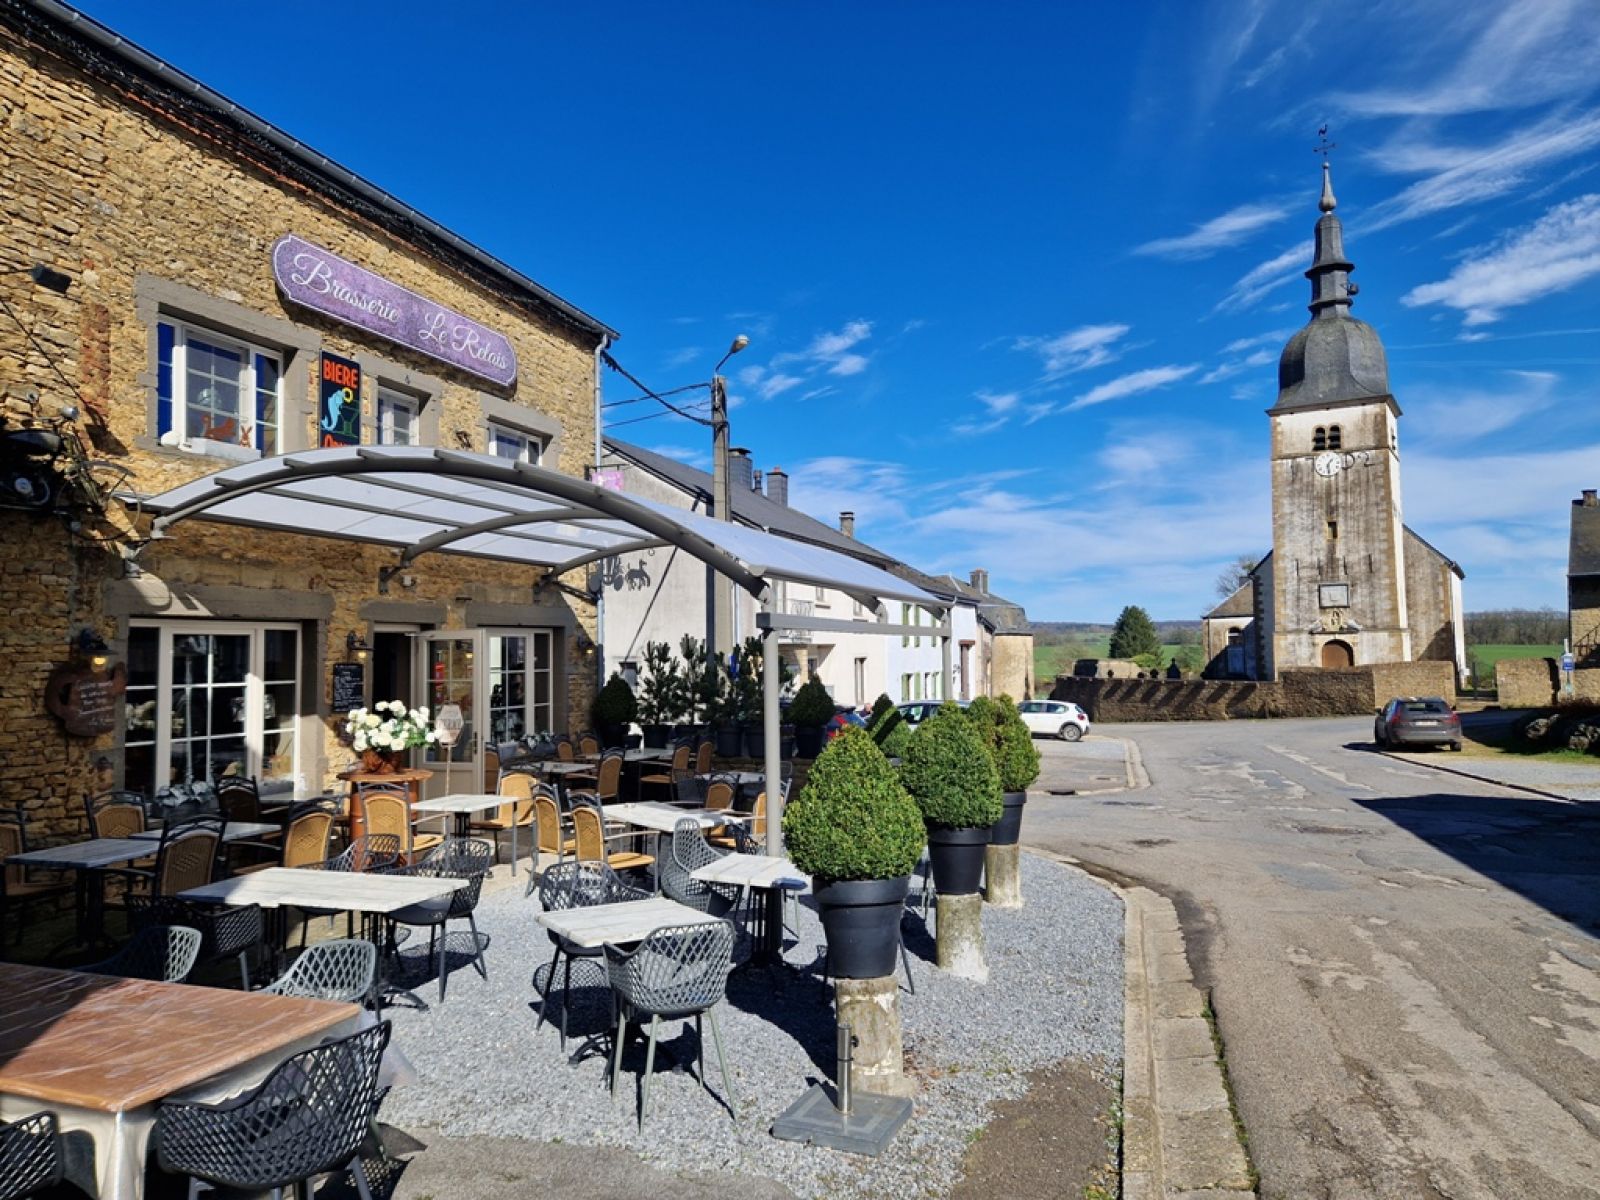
[1016, 758]
[853, 820]
[950, 772]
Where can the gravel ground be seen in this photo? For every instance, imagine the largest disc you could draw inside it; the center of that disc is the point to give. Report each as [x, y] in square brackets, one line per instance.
[1055, 992]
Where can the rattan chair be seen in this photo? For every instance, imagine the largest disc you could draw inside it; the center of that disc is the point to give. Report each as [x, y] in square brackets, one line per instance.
[702, 756]
[161, 953]
[564, 750]
[458, 858]
[550, 832]
[677, 972]
[666, 782]
[115, 814]
[306, 834]
[687, 853]
[307, 1118]
[30, 1156]
[593, 842]
[226, 931]
[516, 813]
[575, 885]
[20, 885]
[387, 809]
[345, 969]
[589, 744]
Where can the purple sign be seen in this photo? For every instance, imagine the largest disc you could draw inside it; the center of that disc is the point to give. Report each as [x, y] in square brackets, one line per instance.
[321, 280]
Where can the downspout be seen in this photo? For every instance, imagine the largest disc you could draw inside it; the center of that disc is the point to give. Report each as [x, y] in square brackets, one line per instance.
[600, 596]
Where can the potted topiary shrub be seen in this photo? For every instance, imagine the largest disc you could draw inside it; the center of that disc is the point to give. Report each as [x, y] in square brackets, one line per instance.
[857, 833]
[614, 710]
[891, 731]
[658, 694]
[1016, 759]
[950, 774]
[811, 709]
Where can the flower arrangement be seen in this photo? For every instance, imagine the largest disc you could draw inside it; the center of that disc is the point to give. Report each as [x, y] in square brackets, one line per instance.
[401, 729]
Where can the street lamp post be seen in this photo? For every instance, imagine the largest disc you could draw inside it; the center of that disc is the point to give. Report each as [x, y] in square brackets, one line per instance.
[721, 496]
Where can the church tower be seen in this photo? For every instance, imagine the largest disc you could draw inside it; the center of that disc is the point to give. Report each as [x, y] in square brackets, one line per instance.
[1337, 572]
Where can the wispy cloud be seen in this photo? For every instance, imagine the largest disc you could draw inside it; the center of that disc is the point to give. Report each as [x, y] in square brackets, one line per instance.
[1077, 349]
[1274, 337]
[1229, 229]
[1556, 252]
[1262, 278]
[776, 385]
[1452, 415]
[679, 359]
[1238, 366]
[998, 409]
[1133, 384]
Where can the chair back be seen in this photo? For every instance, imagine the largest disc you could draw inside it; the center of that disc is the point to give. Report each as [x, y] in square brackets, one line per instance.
[677, 969]
[188, 854]
[689, 852]
[373, 852]
[519, 807]
[13, 840]
[491, 767]
[238, 798]
[225, 930]
[608, 780]
[719, 793]
[564, 751]
[547, 815]
[758, 816]
[582, 885]
[387, 809]
[680, 757]
[115, 814]
[30, 1155]
[159, 953]
[587, 828]
[343, 970]
[306, 836]
[588, 744]
[702, 757]
[459, 858]
[686, 787]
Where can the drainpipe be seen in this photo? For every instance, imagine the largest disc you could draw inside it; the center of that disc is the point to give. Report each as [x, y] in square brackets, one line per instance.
[600, 596]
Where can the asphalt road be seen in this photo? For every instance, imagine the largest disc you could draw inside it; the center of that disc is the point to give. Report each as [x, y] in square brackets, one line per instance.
[1404, 964]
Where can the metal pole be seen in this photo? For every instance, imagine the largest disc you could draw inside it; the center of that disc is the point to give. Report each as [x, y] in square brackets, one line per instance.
[844, 1052]
[771, 673]
[721, 509]
[944, 657]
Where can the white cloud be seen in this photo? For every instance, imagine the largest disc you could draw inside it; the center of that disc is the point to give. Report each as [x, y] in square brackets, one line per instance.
[679, 359]
[998, 403]
[1262, 278]
[849, 364]
[1556, 252]
[1229, 229]
[1274, 338]
[1237, 366]
[1077, 349]
[695, 458]
[1132, 384]
[775, 385]
[1448, 414]
[833, 345]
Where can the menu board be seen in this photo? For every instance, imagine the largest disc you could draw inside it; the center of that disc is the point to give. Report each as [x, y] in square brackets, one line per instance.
[349, 686]
[86, 700]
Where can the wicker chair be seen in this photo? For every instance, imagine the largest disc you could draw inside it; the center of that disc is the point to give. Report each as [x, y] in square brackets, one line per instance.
[588, 831]
[387, 809]
[576, 885]
[161, 953]
[225, 931]
[306, 834]
[516, 813]
[549, 830]
[677, 972]
[116, 814]
[688, 853]
[30, 1156]
[307, 1118]
[702, 756]
[565, 751]
[345, 970]
[667, 782]
[588, 744]
[18, 884]
[459, 858]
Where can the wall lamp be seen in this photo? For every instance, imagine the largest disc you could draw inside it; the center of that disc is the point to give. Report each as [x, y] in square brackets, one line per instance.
[355, 647]
[90, 645]
[584, 643]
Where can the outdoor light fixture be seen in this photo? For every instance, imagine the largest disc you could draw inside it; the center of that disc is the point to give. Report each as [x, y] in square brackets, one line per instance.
[91, 646]
[738, 344]
[355, 647]
[584, 643]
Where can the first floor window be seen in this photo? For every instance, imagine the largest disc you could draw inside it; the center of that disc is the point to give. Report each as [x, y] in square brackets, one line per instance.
[397, 417]
[216, 394]
[520, 684]
[905, 688]
[506, 442]
[208, 700]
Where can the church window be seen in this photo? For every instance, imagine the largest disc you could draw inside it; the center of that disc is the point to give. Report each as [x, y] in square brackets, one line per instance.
[1319, 439]
[1333, 531]
[1335, 438]
[1235, 636]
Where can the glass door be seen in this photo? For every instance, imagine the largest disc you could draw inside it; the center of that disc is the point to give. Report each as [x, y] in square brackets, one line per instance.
[449, 662]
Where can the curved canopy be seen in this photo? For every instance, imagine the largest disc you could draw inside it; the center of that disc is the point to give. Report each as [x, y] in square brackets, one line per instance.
[421, 500]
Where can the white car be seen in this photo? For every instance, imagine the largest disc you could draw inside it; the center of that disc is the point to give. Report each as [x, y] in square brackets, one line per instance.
[1054, 718]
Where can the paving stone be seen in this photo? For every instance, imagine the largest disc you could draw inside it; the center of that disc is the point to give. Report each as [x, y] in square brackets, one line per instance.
[1200, 1150]
[1177, 998]
[1181, 1037]
[1189, 1085]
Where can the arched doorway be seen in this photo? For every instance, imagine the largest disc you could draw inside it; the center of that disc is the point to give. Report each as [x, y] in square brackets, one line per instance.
[1338, 654]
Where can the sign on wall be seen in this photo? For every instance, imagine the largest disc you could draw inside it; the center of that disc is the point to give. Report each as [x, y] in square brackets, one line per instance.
[339, 407]
[87, 701]
[349, 686]
[319, 279]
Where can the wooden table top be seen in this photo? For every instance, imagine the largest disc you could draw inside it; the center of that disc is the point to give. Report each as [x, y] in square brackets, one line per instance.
[113, 1044]
[411, 774]
[629, 921]
[343, 891]
[665, 817]
[751, 870]
[461, 802]
[89, 855]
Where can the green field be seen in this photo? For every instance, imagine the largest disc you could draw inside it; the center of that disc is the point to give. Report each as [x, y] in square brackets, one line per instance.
[1052, 660]
[1484, 657]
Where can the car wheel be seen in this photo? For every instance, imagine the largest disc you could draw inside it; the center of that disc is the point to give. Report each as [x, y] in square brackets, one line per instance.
[1456, 746]
[1069, 732]
[1380, 739]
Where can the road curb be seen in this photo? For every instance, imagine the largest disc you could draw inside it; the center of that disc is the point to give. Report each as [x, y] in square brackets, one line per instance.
[1515, 787]
[1178, 1134]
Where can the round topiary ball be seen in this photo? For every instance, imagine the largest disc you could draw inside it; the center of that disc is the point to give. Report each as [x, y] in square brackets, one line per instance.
[950, 773]
[853, 819]
[1016, 758]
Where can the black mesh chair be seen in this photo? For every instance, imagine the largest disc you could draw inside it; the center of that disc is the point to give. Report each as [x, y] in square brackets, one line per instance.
[567, 885]
[689, 852]
[677, 972]
[459, 858]
[30, 1157]
[225, 931]
[161, 953]
[307, 1118]
[345, 970]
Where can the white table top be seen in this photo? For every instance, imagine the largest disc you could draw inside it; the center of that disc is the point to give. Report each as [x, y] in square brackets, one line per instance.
[665, 817]
[345, 891]
[567, 768]
[233, 831]
[647, 756]
[751, 870]
[461, 802]
[97, 852]
[630, 921]
[740, 777]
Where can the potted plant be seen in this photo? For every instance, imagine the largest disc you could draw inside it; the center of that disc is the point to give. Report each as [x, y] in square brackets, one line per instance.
[658, 694]
[1016, 759]
[614, 710]
[697, 687]
[383, 734]
[857, 833]
[746, 682]
[890, 730]
[950, 774]
[811, 709]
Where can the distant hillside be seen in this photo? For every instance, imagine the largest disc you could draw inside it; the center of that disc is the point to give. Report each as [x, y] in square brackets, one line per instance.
[1059, 631]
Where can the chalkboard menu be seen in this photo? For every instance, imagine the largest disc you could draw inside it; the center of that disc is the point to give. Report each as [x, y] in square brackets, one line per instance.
[349, 686]
[86, 700]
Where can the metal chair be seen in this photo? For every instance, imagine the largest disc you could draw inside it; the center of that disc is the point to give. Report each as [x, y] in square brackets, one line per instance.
[30, 1156]
[345, 970]
[307, 1118]
[459, 858]
[115, 814]
[225, 931]
[688, 852]
[160, 953]
[677, 972]
[18, 884]
[575, 885]
[376, 853]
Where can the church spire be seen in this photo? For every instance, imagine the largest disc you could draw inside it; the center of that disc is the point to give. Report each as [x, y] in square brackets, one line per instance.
[1331, 288]
[1327, 204]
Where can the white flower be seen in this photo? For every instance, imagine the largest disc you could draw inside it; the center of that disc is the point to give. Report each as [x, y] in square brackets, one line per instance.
[424, 711]
[361, 743]
[370, 720]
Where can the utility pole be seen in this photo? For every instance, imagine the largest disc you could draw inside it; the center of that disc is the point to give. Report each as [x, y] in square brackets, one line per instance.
[721, 499]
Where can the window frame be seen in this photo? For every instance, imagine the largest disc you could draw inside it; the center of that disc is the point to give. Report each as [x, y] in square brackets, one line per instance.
[533, 449]
[395, 397]
[178, 404]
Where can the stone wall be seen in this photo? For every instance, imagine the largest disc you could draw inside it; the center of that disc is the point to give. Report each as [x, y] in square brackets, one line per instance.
[1536, 683]
[1106, 668]
[1011, 668]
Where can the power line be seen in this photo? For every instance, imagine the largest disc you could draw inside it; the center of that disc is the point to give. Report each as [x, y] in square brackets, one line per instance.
[605, 357]
[688, 387]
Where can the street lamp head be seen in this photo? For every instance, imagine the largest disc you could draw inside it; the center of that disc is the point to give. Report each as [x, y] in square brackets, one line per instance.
[738, 344]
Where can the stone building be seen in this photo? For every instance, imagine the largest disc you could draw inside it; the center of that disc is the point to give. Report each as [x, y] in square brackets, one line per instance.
[198, 247]
[1583, 580]
[1347, 583]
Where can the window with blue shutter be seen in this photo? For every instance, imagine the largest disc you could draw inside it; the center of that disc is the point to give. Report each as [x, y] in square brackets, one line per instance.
[216, 394]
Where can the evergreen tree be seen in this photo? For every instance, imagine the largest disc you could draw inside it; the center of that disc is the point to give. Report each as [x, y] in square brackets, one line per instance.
[1134, 634]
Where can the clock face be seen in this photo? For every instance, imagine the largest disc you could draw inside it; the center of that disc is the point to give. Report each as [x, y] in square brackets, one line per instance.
[1328, 463]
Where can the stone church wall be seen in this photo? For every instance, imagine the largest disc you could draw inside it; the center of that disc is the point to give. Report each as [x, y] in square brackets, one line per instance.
[1429, 610]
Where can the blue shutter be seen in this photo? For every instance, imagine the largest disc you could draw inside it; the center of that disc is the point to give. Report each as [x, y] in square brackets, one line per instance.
[164, 342]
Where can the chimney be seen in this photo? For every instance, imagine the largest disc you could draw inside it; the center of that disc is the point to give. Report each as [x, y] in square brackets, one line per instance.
[755, 480]
[778, 486]
[847, 524]
[1589, 500]
[980, 581]
[738, 469]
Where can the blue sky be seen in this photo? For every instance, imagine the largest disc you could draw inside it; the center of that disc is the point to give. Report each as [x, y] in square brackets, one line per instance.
[1015, 276]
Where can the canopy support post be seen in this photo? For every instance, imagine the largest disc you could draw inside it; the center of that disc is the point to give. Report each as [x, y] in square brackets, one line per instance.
[944, 659]
[771, 674]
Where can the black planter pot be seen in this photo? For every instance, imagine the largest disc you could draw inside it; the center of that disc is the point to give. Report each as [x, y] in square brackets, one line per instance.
[957, 858]
[861, 919]
[786, 741]
[1007, 831]
[730, 741]
[808, 740]
[755, 741]
[612, 735]
[655, 736]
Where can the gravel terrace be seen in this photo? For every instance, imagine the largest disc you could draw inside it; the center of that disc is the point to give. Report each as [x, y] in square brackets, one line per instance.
[1055, 992]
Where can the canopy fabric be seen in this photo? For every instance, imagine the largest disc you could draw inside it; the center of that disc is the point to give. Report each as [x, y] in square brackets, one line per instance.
[421, 500]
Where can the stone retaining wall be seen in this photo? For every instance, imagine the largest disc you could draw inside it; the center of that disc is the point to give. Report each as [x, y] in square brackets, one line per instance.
[1536, 682]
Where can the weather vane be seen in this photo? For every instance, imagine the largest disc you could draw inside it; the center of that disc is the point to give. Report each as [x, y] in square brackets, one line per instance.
[1323, 145]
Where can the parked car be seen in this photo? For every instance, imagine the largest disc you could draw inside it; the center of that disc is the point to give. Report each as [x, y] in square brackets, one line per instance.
[915, 712]
[842, 718]
[1054, 718]
[1417, 721]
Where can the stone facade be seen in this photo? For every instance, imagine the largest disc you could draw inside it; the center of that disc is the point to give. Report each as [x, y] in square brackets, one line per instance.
[155, 215]
[1011, 666]
[1583, 580]
[1536, 683]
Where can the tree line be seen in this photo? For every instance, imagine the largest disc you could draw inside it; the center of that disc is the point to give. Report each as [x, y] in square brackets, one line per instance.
[1516, 627]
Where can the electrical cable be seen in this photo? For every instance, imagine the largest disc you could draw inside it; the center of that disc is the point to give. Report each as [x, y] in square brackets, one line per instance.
[606, 358]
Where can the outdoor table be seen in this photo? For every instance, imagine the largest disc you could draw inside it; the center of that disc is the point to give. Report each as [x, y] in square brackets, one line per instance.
[618, 924]
[742, 780]
[663, 819]
[746, 871]
[232, 831]
[102, 1053]
[85, 859]
[463, 805]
